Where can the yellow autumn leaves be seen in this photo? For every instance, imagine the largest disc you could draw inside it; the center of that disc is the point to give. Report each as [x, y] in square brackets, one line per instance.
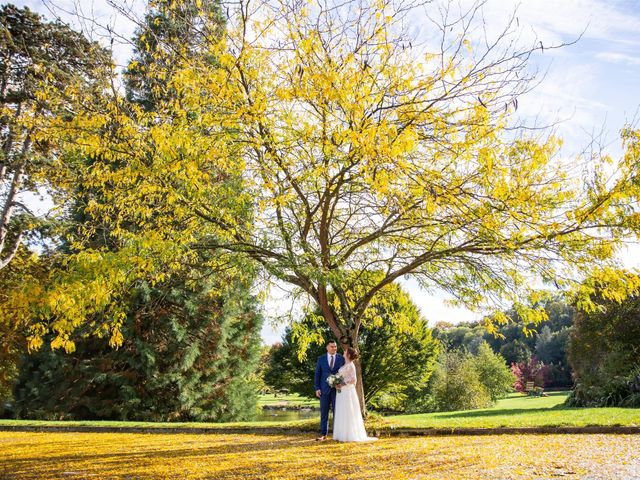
[321, 146]
[30, 455]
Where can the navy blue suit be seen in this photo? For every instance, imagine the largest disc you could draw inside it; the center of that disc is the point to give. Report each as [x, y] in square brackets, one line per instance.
[327, 394]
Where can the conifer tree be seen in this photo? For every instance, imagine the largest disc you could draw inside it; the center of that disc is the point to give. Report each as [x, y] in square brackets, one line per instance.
[192, 341]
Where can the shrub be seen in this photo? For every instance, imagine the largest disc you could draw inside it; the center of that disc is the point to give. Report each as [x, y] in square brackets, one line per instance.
[619, 391]
[604, 352]
[463, 381]
[493, 372]
[456, 384]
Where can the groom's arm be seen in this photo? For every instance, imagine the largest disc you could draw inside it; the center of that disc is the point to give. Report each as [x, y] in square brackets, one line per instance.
[317, 378]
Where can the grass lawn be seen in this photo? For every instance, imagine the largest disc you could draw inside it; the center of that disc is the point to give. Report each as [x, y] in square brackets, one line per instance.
[514, 411]
[29, 456]
[520, 411]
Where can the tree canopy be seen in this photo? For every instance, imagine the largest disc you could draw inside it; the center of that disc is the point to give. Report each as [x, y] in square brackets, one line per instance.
[41, 61]
[358, 148]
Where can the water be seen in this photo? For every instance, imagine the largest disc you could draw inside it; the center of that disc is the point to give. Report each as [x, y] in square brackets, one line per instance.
[286, 415]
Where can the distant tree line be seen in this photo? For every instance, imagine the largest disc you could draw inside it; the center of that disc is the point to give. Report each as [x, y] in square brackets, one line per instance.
[546, 342]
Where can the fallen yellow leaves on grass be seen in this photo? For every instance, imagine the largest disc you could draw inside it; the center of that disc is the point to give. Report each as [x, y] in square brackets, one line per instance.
[27, 455]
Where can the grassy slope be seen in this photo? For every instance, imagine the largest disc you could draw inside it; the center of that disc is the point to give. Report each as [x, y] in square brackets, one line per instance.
[515, 411]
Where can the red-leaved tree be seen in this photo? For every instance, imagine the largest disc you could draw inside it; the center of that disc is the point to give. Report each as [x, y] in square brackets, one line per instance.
[531, 371]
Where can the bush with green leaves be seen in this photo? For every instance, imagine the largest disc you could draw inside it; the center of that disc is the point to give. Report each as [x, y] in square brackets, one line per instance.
[604, 351]
[456, 384]
[463, 381]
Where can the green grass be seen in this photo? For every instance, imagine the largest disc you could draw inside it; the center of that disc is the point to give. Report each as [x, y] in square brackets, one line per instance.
[521, 411]
[514, 411]
[302, 424]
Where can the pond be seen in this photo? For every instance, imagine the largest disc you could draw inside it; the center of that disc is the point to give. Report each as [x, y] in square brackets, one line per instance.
[283, 415]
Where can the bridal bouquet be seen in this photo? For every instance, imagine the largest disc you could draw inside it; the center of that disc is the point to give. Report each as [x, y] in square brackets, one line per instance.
[335, 380]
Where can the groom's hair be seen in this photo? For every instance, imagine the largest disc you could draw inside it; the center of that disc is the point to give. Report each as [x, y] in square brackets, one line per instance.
[332, 341]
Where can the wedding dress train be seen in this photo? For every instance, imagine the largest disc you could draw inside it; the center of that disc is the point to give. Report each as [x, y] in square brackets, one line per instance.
[348, 425]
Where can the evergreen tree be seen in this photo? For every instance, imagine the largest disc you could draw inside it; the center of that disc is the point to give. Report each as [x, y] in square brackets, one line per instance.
[171, 29]
[188, 354]
[185, 357]
[40, 60]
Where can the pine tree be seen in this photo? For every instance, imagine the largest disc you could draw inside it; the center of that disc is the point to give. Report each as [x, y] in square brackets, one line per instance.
[188, 353]
[186, 356]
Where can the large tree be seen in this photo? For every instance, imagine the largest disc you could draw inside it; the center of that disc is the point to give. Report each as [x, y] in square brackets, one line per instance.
[39, 61]
[192, 337]
[604, 351]
[358, 148]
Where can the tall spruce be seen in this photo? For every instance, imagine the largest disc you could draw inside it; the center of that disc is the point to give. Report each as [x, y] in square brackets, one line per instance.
[188, 352]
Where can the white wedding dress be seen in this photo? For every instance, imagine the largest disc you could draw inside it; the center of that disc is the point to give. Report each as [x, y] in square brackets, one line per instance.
[347, 419]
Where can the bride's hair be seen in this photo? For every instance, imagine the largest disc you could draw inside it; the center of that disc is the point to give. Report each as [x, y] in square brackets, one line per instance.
[353, 353]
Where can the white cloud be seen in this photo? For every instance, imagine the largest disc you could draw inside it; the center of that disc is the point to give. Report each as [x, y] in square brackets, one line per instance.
[555, 20]
[617, 57]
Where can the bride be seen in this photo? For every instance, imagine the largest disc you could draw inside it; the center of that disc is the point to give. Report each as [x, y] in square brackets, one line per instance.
[347, 420]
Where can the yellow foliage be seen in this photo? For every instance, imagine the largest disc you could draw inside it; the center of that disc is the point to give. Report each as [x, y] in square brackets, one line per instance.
[350, 155]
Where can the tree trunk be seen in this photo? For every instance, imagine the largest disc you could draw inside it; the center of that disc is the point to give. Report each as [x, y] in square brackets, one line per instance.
[9, 206]
[359, 383]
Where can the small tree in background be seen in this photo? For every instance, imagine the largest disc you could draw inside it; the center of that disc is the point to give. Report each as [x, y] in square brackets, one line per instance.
[456, 384]
[463, 381]
[494, 373]
[531, 371]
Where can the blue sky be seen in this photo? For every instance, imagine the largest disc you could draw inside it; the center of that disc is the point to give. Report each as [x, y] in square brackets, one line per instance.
[589, 86]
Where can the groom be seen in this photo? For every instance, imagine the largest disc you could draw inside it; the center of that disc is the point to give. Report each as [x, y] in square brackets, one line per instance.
[328, 364]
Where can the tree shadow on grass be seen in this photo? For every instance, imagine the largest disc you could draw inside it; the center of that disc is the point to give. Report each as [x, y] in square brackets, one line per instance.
[503, 412]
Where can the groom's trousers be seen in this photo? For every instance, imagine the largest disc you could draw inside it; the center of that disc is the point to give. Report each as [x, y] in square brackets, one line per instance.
[327, 402]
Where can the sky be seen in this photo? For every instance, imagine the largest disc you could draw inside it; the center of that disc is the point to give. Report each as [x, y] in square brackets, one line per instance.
[589, 87]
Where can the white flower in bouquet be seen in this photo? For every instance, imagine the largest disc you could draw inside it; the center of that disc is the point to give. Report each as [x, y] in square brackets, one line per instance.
[335, 380]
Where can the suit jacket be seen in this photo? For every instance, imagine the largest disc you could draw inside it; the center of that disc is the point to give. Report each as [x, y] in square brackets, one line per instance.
[323, 371]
